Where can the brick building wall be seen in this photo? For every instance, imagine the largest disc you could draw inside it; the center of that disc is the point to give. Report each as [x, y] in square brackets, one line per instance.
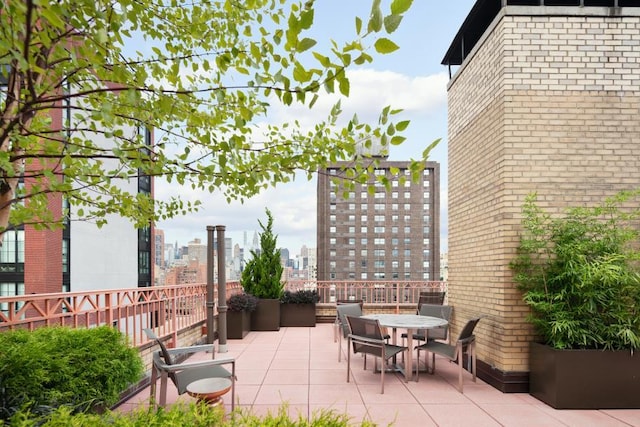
[546, 102]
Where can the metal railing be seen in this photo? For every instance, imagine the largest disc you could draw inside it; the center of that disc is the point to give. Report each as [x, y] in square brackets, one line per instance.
[172, 308]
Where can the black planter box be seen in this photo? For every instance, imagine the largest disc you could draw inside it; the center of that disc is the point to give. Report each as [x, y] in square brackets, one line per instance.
[585, 379]
[266, 317]
[238, 324]
[298, 315]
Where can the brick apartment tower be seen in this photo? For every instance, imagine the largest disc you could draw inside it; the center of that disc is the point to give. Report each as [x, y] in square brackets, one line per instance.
[387, 235]
[546, 99]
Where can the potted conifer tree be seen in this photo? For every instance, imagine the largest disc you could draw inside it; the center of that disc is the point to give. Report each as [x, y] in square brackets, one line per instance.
[261, 277]
[580, 275]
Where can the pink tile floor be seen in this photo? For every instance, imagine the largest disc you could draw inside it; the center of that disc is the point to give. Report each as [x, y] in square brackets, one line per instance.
[300, 366]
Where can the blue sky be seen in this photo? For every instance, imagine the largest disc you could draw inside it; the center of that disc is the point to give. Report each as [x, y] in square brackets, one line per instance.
[411, 78]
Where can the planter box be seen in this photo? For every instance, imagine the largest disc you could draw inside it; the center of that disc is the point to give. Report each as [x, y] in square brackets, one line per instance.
[584, 379]
[266, 317]
[238, 324]
[298, 315]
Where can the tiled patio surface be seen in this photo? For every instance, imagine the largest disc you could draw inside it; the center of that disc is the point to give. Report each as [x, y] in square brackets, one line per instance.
[300, 366]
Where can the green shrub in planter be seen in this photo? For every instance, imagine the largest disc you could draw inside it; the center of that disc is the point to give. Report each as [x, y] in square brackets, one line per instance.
[55, 366]
[580, 274]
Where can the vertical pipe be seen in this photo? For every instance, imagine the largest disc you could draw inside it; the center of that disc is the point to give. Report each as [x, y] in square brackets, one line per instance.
[210, 302]
[222, 291]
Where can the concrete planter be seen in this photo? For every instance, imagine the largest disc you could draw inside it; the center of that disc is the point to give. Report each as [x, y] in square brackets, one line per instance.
[266, 317]
[584, 379]
[238, 324]
[298, 315]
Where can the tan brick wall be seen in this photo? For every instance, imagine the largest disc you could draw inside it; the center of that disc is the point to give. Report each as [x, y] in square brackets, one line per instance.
[546, 104]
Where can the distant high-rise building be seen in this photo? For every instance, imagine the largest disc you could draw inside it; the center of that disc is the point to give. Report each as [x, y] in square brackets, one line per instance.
[158, 241]
[382, 235]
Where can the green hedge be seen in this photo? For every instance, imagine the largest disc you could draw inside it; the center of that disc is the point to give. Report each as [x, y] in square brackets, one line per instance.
[54, 366]
[192, 415]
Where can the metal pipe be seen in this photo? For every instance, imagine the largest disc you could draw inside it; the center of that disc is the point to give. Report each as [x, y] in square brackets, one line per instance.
[210, 302]
[222, 291]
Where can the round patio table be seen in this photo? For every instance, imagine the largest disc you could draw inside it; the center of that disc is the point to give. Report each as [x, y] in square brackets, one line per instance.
[410, 322]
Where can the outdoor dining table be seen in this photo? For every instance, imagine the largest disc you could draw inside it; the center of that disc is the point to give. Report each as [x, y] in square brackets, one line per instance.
[412, 323]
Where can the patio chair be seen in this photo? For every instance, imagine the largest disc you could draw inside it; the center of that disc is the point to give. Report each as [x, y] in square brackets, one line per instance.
[366, 337]
[430, 297]
[182, 374]
[466, 342]
[337, 325]
[433, 310]
[342, 310]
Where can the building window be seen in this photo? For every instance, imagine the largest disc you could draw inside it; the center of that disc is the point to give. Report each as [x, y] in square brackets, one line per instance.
[426, 253]
[351, 218]
[378, 252]
[363, 275]
[363, 229]
[332, 207]
[426, 230]
[363, 241]
[407, 206]
[394, 230]
[363, 194]
[379, 206]
[332, 241]
[426, 172]
[425, 241]
[394, 241]
[378, 275]
[363, 207]
[426, 183]
[352, 229]
[426, 275]
[332, 218]
[425, 264]
[407, 265]
[363, 253]
[407, 230]
[352, 206]
[379, 218]
[394, 252]
[332, 253]
[426, 218]
[380, 172]
[332, 265]
[352, 252]
[394, 194]
[352, 275]
[394, 184]
[394, 206]
[425, 207]
[363, 218]
[332, 229]
[379, 195]
[363, 263]
[378, 241]
[394, 218]
[10, 289]
[378, 229]
[332, 195]
[407, 275]
[352, 240]
[407, 218]
[394, 264]
[379, 263]
[407, 253]
[426, 195]
[407, 195]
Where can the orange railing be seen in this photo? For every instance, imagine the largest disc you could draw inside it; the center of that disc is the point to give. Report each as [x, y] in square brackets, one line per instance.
[169, 309]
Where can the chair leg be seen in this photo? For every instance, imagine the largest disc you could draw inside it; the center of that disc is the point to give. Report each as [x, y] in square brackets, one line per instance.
[383, 368]
[348, 361]
[460, 367]
[472, 351]
[339, 347]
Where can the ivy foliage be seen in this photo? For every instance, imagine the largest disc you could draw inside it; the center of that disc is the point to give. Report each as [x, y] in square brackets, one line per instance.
[262, 274]
[201, 75]
[580, 273]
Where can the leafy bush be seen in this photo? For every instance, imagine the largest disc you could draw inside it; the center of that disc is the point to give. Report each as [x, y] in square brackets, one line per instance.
[262, 274]
[55, 366]
[242, 302]
[300, 297]
[580, 274]
[193, 415]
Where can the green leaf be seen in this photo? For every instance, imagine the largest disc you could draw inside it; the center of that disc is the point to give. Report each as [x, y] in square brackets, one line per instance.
[385, 46]
[400, 6]
[306, 44]
[392, 22]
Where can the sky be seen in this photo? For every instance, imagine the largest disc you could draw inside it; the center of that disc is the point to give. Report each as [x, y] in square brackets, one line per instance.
[411, 79]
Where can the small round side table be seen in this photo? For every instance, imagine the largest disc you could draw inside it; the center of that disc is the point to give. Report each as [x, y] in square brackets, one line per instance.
[209, 390]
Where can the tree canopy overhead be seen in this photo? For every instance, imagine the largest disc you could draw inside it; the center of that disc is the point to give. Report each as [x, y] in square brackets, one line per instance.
[200, 74]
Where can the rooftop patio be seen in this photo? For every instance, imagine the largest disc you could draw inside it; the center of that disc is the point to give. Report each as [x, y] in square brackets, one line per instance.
[299, 366]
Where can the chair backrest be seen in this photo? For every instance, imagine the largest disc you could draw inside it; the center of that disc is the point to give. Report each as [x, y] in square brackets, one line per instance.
[431, 298]
[467, 331]
[165, 353]
[347, 310]
[365, 328]
[350, 301]
[435, 310]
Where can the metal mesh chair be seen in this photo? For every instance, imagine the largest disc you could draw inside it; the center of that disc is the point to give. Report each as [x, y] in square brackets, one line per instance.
[466, 342]
[366, 337]
[431, 297]
[182, 374]
[343, 310]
